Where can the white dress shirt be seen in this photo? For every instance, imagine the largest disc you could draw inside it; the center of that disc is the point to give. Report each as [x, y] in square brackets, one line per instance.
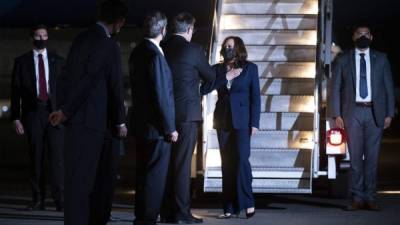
[368, 63]
[105, 28]
[46, 68]
[156, 44]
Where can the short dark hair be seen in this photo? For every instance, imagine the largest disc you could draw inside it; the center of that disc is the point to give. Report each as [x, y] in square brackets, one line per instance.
[239, 49]
[361, 25]
[154, 24]
[113, 10]
[182, 22]
[37, 27]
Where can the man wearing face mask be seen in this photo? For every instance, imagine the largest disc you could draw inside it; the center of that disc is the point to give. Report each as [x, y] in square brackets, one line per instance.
[33, 97]
[362, 99]
[189, 66]
[91, 104]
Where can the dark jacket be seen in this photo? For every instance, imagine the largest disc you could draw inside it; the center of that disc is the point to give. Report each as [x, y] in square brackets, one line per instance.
[23, 84]
[243, 97]
[343, 87]
[90, 90]
[189, 66]
[153, 110]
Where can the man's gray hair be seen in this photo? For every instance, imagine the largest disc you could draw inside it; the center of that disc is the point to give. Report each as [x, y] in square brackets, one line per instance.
[182, 22]
[154, 24]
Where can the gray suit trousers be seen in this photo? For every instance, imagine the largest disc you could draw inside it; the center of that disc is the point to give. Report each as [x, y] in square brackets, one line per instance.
[364, 140]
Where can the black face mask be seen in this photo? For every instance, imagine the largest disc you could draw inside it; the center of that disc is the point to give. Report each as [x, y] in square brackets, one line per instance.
[228, 54]
[363, 42]
[40, 44]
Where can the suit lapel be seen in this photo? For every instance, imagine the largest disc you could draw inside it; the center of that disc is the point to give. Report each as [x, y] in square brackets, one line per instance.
[32, 71]
[240, 77]
[353, 68]
[372, 58]
[51, 60]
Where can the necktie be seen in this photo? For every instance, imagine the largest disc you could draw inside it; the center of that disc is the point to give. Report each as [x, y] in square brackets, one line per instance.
[363, 77]
[42, 80]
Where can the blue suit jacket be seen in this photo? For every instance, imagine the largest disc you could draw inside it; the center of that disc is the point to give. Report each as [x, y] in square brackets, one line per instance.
[153, 107]
[343, 91]
[244, 97]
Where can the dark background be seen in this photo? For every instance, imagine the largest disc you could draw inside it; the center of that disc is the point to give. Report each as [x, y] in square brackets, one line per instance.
[71, 16]
[382, 16]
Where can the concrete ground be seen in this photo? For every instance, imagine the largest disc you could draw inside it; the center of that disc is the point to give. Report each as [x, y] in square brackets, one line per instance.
[277, 210]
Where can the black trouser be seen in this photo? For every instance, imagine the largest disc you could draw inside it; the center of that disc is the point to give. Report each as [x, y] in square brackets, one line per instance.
[177, 201]
[41, 137]
[88, 176]
[101, 197]
[152, 159]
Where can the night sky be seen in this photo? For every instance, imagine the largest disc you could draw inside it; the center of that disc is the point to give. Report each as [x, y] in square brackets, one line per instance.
[381, 15]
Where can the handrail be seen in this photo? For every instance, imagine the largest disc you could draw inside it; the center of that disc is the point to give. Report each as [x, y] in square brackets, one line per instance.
[201, 143]
[323, 73]
[214, 32]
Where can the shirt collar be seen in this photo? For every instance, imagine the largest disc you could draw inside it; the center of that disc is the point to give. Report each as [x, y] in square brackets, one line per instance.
[366, 52]
[156, 44]
[36, 53]
[105, 28]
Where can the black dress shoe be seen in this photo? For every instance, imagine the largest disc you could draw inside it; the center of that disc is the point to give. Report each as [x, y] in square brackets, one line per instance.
[167, 220]
[36, 206]
[355, 205]
[372, 206]
[189, 220]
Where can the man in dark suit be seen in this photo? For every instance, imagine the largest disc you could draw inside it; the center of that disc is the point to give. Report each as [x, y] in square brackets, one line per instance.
[91, 101]
[153, 118]
[33, 97]
[189, 66]
[363, 104]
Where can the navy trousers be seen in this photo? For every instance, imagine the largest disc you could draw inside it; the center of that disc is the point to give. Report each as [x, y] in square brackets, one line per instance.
[236, 170]
[152, 161]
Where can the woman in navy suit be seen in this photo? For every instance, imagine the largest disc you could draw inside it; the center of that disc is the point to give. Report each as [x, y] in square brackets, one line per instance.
[236, 118]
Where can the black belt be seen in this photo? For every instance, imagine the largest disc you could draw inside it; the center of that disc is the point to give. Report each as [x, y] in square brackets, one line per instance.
[364, 104]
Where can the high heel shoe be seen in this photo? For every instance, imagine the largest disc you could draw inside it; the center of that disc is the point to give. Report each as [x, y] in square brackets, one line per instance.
[225, 216]
[250, 214]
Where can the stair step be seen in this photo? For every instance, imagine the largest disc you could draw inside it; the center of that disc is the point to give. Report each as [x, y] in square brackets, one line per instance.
[262, 185]
[258, 172]
[277, 103]
[273, 37]
[286, 69]
[285, 22]
[282, 158]
[287, 121]
[272, 139]
[281, 53]
[287, 103]
[270, 7]
[295, 86]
